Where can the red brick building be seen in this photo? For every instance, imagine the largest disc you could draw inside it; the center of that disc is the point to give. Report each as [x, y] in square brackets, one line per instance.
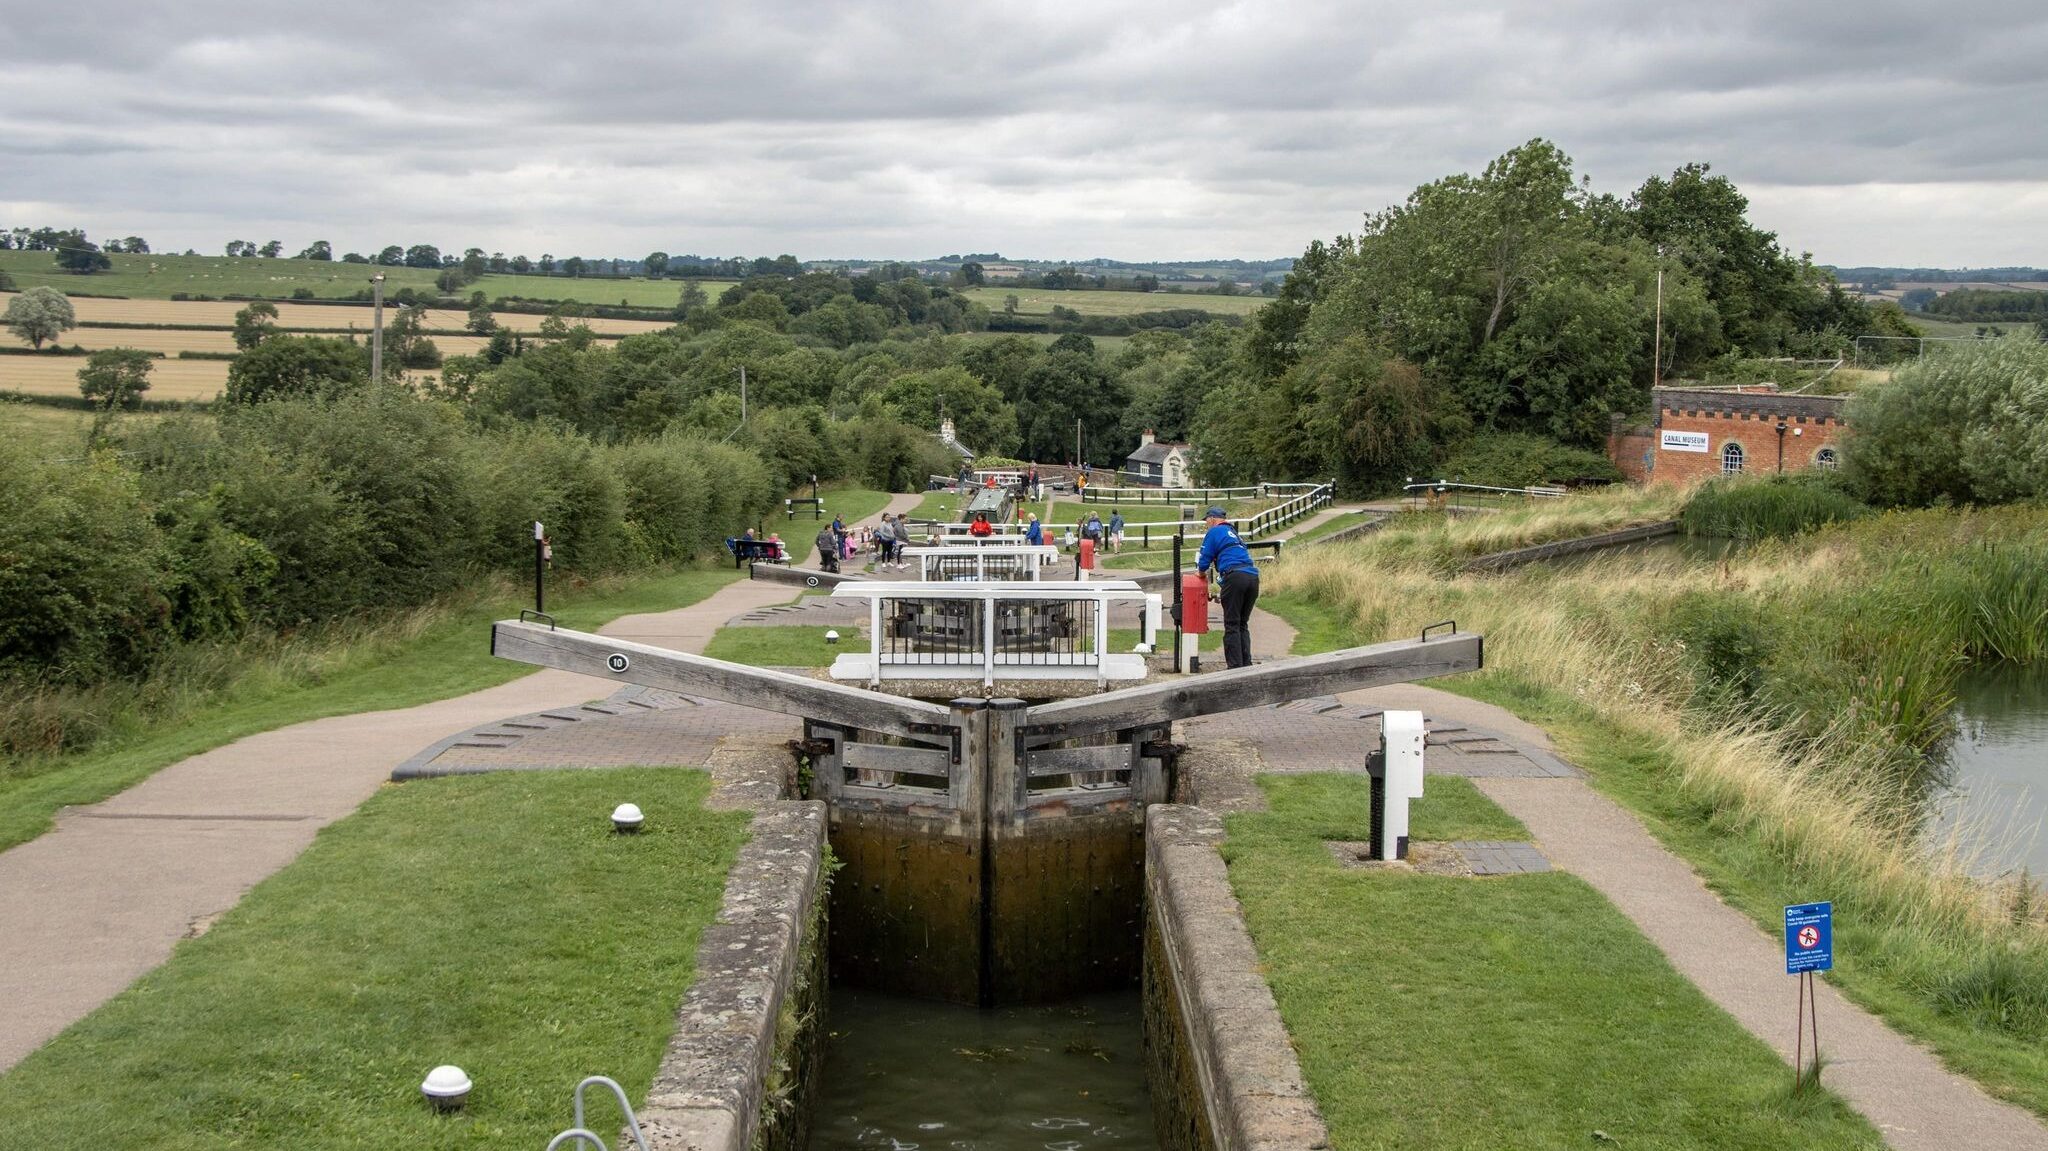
[1703, 432]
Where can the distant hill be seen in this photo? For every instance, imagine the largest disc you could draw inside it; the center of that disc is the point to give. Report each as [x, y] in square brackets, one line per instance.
[1861, 275]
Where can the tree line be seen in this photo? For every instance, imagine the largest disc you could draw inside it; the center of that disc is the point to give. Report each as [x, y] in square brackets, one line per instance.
[1513, 300]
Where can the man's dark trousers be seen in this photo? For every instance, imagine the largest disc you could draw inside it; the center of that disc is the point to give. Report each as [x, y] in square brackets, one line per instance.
[1240, 592]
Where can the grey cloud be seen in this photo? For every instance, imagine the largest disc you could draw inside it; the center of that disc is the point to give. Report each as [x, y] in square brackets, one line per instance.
[1119, 128]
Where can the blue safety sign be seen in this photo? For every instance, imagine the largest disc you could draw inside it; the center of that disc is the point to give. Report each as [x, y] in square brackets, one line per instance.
[1809, 937]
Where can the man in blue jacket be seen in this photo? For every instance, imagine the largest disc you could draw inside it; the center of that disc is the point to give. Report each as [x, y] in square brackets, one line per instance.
[1222, 550]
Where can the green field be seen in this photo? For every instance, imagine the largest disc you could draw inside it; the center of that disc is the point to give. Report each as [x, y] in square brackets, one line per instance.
[1039, 302]
[494, 922]
[159, 277]
[1521, 1011]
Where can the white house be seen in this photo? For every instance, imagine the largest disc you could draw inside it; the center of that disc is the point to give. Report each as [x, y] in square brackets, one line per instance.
[1159, 463]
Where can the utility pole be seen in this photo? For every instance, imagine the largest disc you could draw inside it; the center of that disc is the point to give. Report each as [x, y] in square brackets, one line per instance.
[377, 328]
[743, 393]
[1077, 441]
[1657, 338]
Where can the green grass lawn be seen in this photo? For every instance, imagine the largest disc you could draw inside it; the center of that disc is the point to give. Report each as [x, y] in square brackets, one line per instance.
[1520, 1011]
[449, 657]
[1331, 525]
[60, 431]
[132, 276]
[789, 646]
[495, 922]
[1890, 969]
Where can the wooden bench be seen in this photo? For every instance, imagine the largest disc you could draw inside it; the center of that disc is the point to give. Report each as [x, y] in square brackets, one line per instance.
[756, 551]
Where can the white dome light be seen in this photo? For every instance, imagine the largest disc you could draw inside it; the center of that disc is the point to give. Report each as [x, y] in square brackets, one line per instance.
[627, 817]
[446, 1087]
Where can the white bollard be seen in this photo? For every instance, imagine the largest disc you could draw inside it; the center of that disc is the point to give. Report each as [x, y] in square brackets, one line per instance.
[1401, 739]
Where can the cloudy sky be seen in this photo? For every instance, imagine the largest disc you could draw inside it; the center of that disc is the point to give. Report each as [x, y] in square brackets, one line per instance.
[1868, 132]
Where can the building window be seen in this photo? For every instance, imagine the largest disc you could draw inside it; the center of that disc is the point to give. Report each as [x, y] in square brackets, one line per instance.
[1731, 459]
[1824, 459]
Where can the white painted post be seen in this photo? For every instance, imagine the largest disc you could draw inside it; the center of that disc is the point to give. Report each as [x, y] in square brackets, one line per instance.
[988, 641]
[1401, 739]
[875, 642]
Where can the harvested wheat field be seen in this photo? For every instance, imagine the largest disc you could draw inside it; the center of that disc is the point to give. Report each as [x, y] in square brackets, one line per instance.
[58, 376]
[169, 343]
[299, 317]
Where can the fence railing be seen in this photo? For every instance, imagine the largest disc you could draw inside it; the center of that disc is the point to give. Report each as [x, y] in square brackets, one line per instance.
[1008, 560]
[991, 631]
[1148, 495]
[1449, 493]
[1287, 512]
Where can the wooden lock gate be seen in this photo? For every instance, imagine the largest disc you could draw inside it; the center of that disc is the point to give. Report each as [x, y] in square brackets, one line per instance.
[992, 848]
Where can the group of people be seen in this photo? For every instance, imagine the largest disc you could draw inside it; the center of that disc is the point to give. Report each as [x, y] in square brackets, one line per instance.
[887, 539]
[1223, 556]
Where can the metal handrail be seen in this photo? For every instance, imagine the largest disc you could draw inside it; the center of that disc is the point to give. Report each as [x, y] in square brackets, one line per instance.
[1447, 485]
[987, 660]
[581, 1134]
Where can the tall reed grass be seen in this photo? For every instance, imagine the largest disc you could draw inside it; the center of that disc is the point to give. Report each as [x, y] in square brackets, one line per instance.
[1772, 507]
[1794, 689]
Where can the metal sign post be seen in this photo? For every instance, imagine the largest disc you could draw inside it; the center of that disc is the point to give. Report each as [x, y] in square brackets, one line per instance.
[1809, 947]
[540, 567]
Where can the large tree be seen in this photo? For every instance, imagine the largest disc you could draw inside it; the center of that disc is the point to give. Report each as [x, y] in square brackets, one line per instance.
[116, 377]
[77, 254]
[38, 315]
[318, 250]
[296, 366]
[254, 323]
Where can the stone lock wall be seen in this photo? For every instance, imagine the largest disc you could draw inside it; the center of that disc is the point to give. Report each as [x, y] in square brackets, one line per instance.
[1221, 1069]
[745, 1045]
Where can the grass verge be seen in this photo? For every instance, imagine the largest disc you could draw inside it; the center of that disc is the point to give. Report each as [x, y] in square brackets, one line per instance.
[1629, 662]
[1923, 982]
[494, 922]
[1521, 1011]
[429, 655]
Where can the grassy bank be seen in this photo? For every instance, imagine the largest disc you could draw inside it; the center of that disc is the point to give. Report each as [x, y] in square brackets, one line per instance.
[434, 653]
[1783, 761]
[1451, 1012]
[308, 1015]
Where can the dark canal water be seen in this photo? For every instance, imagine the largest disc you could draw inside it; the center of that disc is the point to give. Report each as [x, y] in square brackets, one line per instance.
[912, 1075]
[1998, 768]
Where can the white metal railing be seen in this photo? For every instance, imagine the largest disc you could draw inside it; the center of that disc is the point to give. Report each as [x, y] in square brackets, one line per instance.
[1318, 495]
[1414, 489]
[1008, 560]
[990, 630]
[1150, 495]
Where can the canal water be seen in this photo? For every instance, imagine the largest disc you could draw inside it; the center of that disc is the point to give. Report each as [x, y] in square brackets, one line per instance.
[1998, 769]
[907, 1074]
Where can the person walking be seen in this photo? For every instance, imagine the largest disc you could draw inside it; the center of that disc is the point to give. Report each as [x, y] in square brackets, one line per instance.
[1116, 530]
[1034, 532]
[828, 547]
[1239, 577]
[885, 539]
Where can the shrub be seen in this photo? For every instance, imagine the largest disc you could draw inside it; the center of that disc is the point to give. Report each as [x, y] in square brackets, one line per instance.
[81, 563]
[1963, 426]
[1519, 460]
[363, 500]
[542, 473]
[1771, 507]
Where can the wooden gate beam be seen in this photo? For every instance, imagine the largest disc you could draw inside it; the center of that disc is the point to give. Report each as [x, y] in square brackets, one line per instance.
[1185, 697]
[599, 657]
